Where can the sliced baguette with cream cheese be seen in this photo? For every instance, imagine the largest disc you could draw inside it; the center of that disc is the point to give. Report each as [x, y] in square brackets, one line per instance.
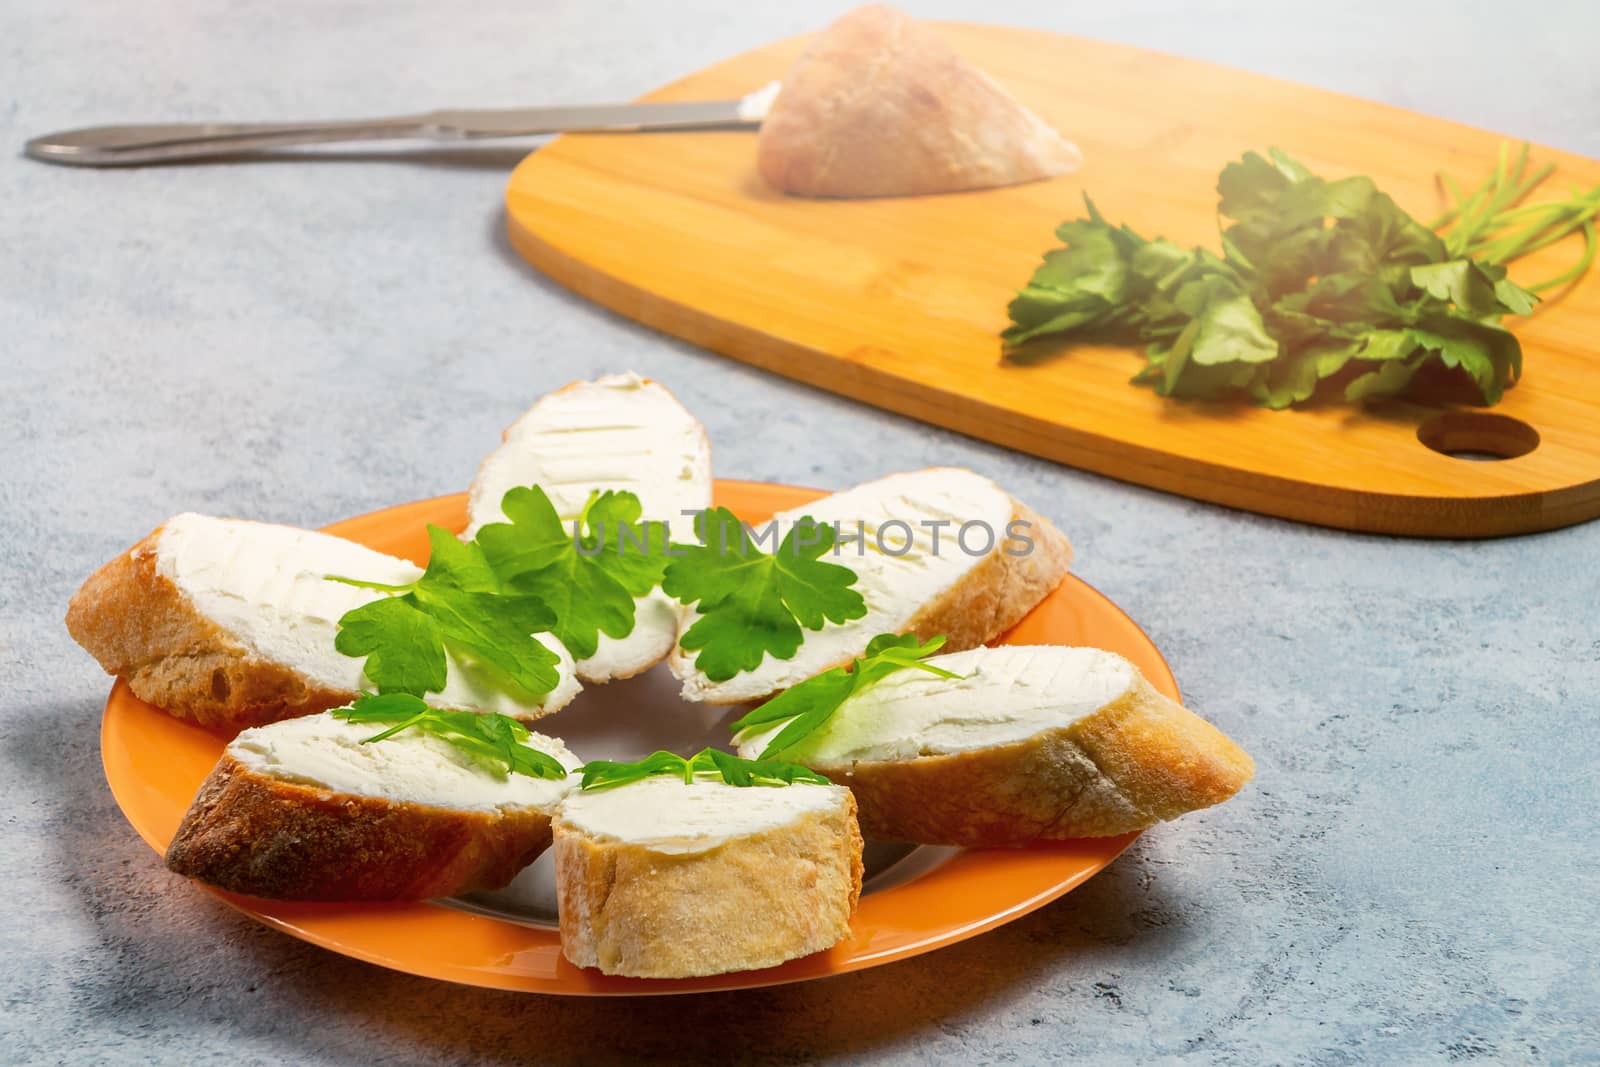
[232, 623]
[1034, 743]
[662, 879]
[971, 586]
[304, 810]
[623, 433]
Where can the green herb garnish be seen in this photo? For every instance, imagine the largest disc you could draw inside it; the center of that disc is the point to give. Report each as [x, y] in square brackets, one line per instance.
[752, 604]
[486, 598]
[1491, 223]
[1321, 285]
[589, 581]
[811, 703]
[457, 604]
[708, 763]
[495, 742]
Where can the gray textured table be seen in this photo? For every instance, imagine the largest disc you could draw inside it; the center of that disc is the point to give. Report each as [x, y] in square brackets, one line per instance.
[1412, 877]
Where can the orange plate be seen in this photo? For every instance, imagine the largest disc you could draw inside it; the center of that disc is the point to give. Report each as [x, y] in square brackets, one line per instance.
[155, 763]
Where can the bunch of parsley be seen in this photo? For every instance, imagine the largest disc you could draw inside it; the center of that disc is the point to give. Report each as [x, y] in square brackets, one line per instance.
[1323, 286]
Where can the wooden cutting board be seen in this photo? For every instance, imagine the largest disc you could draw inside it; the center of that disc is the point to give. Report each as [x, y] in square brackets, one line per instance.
[899, 302]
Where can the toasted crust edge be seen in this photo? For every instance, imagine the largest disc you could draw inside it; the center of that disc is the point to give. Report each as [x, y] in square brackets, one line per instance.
[996, 594]
[1141, 759]
[753, 902]
[249, 833]
[143, 629]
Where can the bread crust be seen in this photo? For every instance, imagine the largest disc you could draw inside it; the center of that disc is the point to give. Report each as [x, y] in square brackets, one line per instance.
[880, 105]
[250, 833]
[996, 594]
[141, 627]
[1141, 759]
[752, 902]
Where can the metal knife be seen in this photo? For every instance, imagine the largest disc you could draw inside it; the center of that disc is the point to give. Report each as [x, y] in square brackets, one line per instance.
[110, 146]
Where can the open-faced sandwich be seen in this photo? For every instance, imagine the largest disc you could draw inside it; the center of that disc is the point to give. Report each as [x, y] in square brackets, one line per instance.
[999, 746]
[880, 105]
[675, 868]
[620, 433]
[233, 623]
[942, 551]
[326, 807]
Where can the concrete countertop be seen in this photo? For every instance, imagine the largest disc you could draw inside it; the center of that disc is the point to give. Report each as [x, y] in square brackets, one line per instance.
[1411, 878]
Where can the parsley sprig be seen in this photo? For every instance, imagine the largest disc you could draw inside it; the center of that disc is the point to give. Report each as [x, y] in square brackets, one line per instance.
[497, 743]
[1492, 224]
[753, 604]
[810, 704]
[485, 599]
[458, 604]
[708, 763]
[589, 582]
[1323, 287]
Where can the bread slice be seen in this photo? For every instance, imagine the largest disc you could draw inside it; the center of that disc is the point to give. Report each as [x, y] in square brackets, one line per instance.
[231, 623]
[880, 105]
[303, 810]
[1034, 743]
[659, 879]
[916, 575]
[620, 432]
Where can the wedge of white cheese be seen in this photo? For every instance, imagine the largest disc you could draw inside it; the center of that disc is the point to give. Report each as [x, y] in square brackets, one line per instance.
[330, 753]
[938, 551]
[622, 433]
[266, 588]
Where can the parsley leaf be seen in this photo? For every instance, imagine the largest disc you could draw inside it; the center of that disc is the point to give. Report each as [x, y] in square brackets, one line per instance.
[810, 704]
[589, 581]
[752, 604]
[708, 763]
[1324, 287]
[454, 606]
[403, 645]
[497, 743]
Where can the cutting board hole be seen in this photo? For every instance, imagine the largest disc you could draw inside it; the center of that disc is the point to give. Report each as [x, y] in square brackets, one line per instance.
[1477, 435]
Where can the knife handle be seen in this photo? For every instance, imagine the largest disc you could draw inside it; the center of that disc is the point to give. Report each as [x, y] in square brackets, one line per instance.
[110, 146]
